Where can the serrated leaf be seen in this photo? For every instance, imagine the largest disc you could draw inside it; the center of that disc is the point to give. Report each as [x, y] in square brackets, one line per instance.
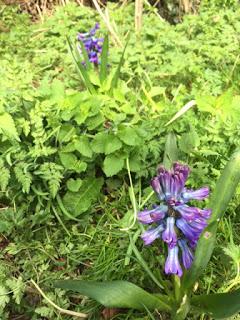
[106, 143]
[115, 294]
[4, 297]
[129, 136]
[7, 126]
[82, 145]
[112, 165]
[79, 202]
[218, 305]
[74, 185]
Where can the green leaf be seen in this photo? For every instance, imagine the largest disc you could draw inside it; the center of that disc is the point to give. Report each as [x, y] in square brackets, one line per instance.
[129, 136]
[104, 59]
[7, 126]
[218, 305]
[74, 185]
[171, 150]
[189, 141]
[81, 69]
[112, 165]
[116, 76]
[83, 146]
[106, 143]
[79, 202]
[115, 294]
[71, 162]
[224, 191]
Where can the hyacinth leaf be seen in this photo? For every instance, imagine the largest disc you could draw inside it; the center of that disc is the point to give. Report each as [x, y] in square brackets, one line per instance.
[171, 151]
[85, 56]
[104, 59]
[116, 76]
[116, 294]
[83, 73]
[218, 305]
[224, 191]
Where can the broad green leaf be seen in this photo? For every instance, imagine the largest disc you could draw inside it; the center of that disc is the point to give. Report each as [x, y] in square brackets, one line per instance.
[112, 165]
[171, 150]
[79, 202]
[224, 191]
[83, 146]
[74, 185]
[71, 162]
[106, 143]
[7, 126]
[121, 294]
[218, 305]
[129, 136]
[104, 59]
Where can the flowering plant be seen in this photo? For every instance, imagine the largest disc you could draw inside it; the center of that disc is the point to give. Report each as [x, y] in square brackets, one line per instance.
[90, 55]
[180, 226]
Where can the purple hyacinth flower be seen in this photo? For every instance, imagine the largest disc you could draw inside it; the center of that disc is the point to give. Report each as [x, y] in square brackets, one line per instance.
[188, 231]
[152, 234]
[169, 234]
[172, 265]
[154, 215]
[178, 220]
[187, 255]
[187, 213]
[199, 194]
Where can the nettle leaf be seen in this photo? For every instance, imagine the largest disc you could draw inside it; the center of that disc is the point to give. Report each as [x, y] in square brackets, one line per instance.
[129, 136]
[112, 165]
[71, 162]
[218, 305]
[82, 145]
[79, 202]
[7, 126]
[106, 143]
[74, 185]
[115, 294]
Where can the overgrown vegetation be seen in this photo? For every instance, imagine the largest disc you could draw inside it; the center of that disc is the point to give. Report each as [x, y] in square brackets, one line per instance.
[64, 152]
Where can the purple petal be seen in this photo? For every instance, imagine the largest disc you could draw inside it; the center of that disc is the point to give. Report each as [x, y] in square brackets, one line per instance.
[189, 232]
[154, 215]
[169, 235]
[199, 194]
[205, 213]
[187, 255]
[152, 234]
[172, 265]
[187, 213]
[155, 183]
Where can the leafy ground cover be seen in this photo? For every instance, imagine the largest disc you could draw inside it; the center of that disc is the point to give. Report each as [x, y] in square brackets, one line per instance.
[65, 190]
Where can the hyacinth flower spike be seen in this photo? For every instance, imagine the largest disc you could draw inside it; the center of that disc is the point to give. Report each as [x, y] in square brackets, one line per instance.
[174, 221]
[92, 45]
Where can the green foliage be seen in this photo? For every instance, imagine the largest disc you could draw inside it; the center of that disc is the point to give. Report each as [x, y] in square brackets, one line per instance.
[120, 294]
[64, 150]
